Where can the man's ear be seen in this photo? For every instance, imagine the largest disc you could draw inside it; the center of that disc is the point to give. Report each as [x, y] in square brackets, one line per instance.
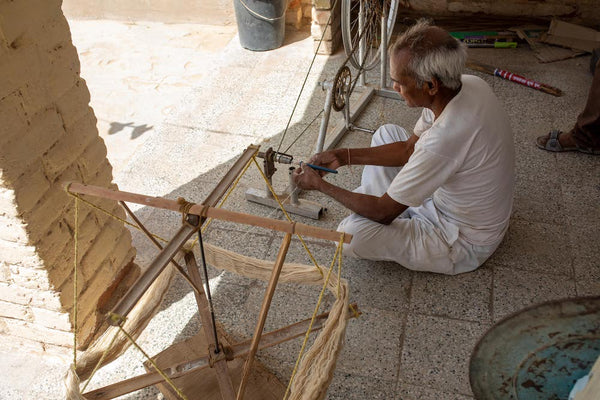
[433, 85]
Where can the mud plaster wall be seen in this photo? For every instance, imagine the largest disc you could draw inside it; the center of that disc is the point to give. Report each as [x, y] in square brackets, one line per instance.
[48, 135]
[170, 11]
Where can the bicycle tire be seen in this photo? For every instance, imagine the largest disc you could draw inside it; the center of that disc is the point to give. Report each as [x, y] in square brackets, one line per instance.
[371, 11]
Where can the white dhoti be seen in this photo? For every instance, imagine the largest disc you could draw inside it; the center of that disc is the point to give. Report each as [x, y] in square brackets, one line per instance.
[420, 239]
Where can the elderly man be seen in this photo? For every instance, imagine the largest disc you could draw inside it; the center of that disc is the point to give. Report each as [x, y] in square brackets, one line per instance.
[438, 200]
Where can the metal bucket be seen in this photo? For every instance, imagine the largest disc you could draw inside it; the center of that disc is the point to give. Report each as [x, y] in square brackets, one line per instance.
[261, 23]
[538, 353]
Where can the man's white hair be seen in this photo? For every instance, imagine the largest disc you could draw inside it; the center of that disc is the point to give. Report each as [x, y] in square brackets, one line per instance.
[442, 59]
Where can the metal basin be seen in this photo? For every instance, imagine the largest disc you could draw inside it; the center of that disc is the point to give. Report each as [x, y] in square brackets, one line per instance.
[537, 353]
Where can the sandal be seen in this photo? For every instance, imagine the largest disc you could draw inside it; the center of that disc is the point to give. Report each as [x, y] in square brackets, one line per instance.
[550, 142]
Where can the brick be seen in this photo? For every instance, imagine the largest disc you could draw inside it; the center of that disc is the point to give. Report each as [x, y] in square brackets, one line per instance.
[103, 176]
[24, 71]
[31, 186]
[61, 232]
[86, 290]
[65, 291]
[62, 69]
[62, 267]
[31, 278]
[112, 293]
[15, 311]
[102, 292]
[25, 296]
[123, 253]
[52, 134]
[87, 165]
[328, 46]
[15, 253]
[5, 274]
[52, 245]
[294, 17]
[48, 210]
[95, 218]
[90, 225]
[13, 15]
[12, 230]
[98, 253]
[89, 297]
[31, 331]
[323, 4]
[316, 31]
[8, 208]
[89, 218]
[307, 12]
[70, 174]
[95, 159]
[12, 114]
[53, 32]
[35, 94]
[321, 17]
[87, 328]
[73, 105]
[69, 148]
[51, 319]
[3, 45]
[21, 151]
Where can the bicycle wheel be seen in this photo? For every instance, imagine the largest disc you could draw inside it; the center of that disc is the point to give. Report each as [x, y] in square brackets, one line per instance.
[362, 27]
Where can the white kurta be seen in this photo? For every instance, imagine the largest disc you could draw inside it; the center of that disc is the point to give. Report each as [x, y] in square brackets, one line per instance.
[458, 185]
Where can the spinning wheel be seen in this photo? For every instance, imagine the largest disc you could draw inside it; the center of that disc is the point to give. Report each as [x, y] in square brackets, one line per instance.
[367, 27]
[364, 24]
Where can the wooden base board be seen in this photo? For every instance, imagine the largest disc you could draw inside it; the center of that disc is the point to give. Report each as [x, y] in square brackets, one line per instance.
[262, 385]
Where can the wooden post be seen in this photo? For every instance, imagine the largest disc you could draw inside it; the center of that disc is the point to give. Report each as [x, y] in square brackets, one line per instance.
[137, 290]
[285, 244]
[220, 365]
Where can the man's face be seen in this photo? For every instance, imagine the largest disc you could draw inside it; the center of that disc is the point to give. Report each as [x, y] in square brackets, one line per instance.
[405, 83]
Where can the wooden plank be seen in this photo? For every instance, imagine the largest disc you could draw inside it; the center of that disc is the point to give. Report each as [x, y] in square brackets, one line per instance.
[210, 212]
[206, 318]
[264, 310]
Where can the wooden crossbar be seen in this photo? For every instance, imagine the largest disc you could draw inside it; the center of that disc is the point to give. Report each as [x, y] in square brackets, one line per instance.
[210, 212]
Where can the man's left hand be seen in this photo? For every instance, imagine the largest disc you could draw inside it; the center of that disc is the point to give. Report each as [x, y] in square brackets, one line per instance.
[307, 178]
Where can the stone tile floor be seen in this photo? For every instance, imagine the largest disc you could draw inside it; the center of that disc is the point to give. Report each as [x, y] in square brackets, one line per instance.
[205, 104]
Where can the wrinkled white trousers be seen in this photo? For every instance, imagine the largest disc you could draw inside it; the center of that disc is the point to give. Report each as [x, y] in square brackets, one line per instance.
[420, 238]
